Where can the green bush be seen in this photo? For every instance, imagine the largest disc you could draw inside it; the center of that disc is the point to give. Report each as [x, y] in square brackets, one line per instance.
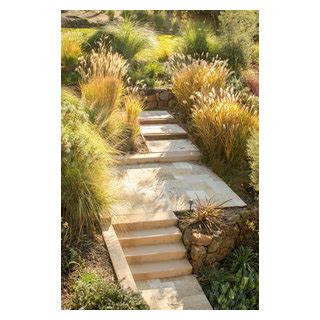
[238, 29]
[253, 154]
[127, 38]
[196, 38]
[234, 285]
[149, 72]
[91, 292]
[86, 194]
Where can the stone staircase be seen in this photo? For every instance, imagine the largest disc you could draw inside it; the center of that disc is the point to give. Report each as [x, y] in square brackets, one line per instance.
[144, 242]
[152, 245]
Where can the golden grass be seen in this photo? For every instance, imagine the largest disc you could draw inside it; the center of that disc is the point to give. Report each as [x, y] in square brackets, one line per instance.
[191, 75]
[222, 127]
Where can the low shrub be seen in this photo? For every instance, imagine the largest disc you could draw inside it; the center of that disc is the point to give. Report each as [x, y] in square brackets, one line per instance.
[222, 127]
[91, 292]
[127, 37]
[151, 73]
[251, 80]
[234, 285]
[237, 31]
[86, 194]
[253, 154]
[192, 75]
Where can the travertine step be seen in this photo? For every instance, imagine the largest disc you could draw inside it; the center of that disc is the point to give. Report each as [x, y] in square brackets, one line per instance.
[144, 221]
[149, 236]
[152, 253]
[178, 145]
[161, 157]
[163, 269]
[156, 117]
[162, 131]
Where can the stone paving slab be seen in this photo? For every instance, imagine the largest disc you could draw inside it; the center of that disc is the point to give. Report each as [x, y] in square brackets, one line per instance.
[155, 115]
[177, 145]
[175, 293]
[156, 187]
[148, 129]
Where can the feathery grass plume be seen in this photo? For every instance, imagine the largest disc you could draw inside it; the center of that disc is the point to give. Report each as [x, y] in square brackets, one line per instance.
[86, 159]
[103, 75]
[127, 37]
[253, 155]
[193, 74]
[222, 126]
[133, 107]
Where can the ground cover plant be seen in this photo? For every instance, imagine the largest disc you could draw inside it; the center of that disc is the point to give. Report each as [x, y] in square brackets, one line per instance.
[234, 285]
[92, 292]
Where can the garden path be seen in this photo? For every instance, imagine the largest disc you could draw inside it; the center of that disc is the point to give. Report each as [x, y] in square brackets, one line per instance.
[154, 185]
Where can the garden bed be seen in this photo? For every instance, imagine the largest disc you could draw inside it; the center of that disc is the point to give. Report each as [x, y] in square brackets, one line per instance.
[91, 256]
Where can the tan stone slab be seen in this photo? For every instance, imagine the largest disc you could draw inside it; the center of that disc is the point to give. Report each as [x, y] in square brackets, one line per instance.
[162, 269]
[156, 117]
[118, 259]
[177, 145]
[160, 157]
[149, 236]
[162, 131]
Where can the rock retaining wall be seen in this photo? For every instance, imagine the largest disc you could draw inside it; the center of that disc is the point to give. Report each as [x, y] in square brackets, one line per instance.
[158, 98]
[204, 249]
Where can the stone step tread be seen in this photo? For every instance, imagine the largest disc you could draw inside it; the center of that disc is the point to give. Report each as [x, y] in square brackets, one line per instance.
[156, 117]
[154, 249]
[133, 218]
[157, 232]
[160, 269]
[157, 157]
[162, 129]
[178, 145]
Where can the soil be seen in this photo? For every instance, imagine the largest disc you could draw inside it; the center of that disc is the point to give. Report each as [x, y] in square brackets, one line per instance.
[95, 257]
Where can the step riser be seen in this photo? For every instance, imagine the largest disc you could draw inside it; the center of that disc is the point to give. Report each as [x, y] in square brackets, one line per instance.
[150, 240]
[158, 121]
[165, 136]
[162, 274]
[163, 256]
[163, 158]
[145, 225]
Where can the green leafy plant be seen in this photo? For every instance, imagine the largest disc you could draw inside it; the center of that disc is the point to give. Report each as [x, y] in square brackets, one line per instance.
[91, 292]
[234, 285]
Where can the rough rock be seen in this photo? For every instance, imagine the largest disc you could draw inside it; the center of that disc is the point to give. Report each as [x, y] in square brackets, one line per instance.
[164, 95]
[186, 238]
[201, 239]
[198, 253]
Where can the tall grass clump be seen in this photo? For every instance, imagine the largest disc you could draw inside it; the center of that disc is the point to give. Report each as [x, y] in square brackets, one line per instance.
[222, 127]
[127, 37]
[86, 195]
[191, 75]
[70, 52]
[133, 107]
[253, 154]
[196, 38]
[103, 77]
